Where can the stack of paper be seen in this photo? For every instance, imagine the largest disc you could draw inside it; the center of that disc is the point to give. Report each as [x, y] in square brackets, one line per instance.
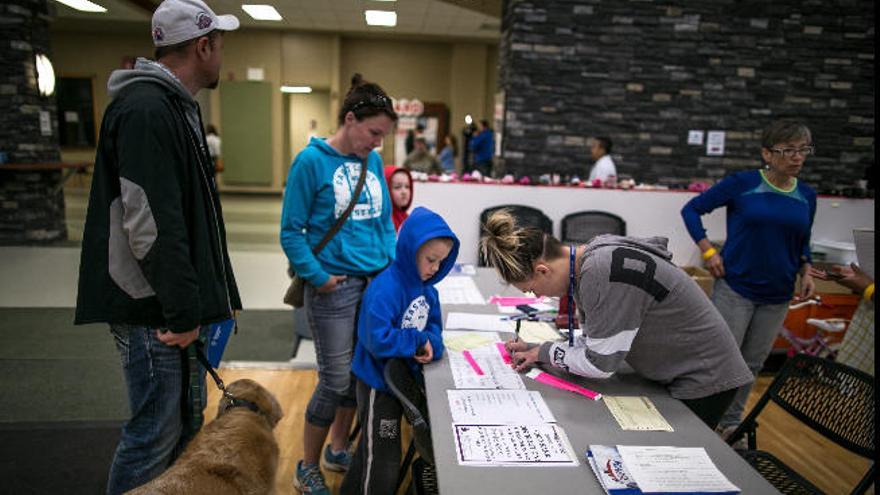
[625, 470]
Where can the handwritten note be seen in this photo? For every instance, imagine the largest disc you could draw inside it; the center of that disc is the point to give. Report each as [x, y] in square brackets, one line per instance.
[513, 445]
[498, 407]
[496, 374]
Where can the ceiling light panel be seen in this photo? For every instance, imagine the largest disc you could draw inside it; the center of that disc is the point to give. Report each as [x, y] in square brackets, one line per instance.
[385, 18]
[83, 5]
[262, 12]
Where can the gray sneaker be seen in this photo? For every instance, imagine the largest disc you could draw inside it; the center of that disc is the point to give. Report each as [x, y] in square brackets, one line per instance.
[336, 462]
[309, 480]
[725, 431]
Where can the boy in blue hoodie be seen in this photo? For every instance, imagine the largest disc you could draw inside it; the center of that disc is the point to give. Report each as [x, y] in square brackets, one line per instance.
[400, 317]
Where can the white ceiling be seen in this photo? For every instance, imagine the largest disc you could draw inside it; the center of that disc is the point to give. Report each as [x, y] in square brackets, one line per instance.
[414, 17]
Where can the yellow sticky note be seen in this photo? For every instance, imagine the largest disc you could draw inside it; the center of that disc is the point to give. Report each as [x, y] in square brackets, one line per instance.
[536, 332]
[636, 413]
[466, 341]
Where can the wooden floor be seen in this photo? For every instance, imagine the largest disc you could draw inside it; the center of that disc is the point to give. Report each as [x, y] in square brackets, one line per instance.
[830, 467]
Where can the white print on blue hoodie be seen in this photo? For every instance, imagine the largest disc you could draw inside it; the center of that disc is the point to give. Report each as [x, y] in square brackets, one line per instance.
[319, 187]
[399, 311]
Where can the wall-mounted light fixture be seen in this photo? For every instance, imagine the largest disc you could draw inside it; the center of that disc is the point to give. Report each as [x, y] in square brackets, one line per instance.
[384, 18]
[45, 75]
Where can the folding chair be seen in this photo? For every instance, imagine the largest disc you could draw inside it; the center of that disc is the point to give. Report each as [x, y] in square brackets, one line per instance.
[411, 395]
[581, 227]
[525, 216]
[832, 399]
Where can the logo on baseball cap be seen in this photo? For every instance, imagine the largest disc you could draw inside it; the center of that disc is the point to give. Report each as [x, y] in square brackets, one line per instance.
[176, 21]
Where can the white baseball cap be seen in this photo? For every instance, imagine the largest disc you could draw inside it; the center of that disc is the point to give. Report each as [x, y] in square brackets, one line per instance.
[176, 21]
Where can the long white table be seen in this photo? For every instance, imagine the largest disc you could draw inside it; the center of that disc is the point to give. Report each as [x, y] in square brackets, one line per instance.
[585, 422]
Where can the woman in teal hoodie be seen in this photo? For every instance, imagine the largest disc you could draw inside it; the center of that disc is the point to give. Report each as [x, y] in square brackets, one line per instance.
[400, 318]
[320, 186]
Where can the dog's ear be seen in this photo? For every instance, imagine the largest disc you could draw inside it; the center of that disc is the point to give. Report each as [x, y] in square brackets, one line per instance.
[275, 413]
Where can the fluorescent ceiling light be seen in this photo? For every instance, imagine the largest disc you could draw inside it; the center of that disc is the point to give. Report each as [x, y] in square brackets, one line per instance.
[83, 5]
[296, 89]
[381, 18]
[262, 12]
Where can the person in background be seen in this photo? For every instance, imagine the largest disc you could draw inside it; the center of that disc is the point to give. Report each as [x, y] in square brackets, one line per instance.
[422, 160]
[857, 348]
[600, 151]
[769, 219]
[669, 331]
[483, 147]
[400, 318]
[400, 186]
[213, 140]
[319, 188]
[153, 214]
[448, 153]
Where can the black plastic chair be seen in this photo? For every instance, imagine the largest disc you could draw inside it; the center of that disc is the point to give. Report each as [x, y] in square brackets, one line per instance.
[525, 216]
[411, 395]
[832, 399]
[581, 227]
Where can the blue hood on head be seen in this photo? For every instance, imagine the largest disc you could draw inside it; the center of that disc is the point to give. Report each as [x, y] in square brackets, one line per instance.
[422, 226]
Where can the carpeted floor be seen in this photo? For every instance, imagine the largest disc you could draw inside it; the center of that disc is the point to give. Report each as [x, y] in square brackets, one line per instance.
[61, 457]
[60, 372]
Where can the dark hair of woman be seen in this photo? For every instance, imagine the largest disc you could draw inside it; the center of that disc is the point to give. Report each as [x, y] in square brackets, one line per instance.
[366, 99]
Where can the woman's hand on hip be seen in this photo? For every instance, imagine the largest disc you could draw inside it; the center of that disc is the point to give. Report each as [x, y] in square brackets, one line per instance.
[331, 283]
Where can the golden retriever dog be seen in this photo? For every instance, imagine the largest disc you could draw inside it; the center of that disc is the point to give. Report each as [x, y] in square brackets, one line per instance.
[234, 454]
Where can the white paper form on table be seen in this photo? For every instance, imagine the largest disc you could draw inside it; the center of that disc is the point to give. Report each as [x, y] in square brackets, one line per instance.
[462, 340]
[481, 322]
[459, 290]
[513, 445]
[496, 374]
[674, 470]
[492, 407]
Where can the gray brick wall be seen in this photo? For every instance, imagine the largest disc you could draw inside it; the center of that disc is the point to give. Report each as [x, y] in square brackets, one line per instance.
[31, 209]
[646, 72]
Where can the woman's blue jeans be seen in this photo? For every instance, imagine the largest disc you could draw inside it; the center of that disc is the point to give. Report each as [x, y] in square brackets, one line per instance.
[333, 319]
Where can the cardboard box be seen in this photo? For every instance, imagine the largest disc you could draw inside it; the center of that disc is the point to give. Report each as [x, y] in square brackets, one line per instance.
[702, 277]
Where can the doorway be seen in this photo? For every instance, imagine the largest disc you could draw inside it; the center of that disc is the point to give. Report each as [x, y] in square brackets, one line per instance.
[308, 115]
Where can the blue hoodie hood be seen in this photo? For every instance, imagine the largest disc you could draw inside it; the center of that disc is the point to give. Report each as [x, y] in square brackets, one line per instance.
[422, 226]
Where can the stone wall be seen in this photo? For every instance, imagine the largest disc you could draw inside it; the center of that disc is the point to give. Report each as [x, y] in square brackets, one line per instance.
[646, 72]
[31, 202]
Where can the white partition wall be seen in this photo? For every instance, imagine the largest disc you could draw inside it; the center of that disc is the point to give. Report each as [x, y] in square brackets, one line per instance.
[646, 213]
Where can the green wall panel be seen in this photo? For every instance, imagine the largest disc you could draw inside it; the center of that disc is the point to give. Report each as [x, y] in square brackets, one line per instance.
[246, 120]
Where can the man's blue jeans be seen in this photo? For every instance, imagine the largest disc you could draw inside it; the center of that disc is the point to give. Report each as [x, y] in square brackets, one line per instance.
[156, 379]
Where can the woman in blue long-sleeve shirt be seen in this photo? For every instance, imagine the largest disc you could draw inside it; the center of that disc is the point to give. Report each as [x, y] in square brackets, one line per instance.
[769, 218]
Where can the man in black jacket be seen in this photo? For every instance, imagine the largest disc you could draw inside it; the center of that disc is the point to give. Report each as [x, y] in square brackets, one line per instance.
[154, 260]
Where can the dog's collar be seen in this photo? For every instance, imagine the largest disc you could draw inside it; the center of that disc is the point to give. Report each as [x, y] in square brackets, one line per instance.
[235, 402]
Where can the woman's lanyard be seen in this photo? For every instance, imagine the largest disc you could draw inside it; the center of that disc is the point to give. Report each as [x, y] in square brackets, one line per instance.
[570, 296]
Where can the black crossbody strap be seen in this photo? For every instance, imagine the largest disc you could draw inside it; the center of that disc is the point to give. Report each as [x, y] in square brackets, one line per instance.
[342, 218]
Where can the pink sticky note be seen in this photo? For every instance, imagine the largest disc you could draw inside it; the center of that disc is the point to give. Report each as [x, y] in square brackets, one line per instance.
[559, 383]
[512, 301]
[504, 355]
[470, 359]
